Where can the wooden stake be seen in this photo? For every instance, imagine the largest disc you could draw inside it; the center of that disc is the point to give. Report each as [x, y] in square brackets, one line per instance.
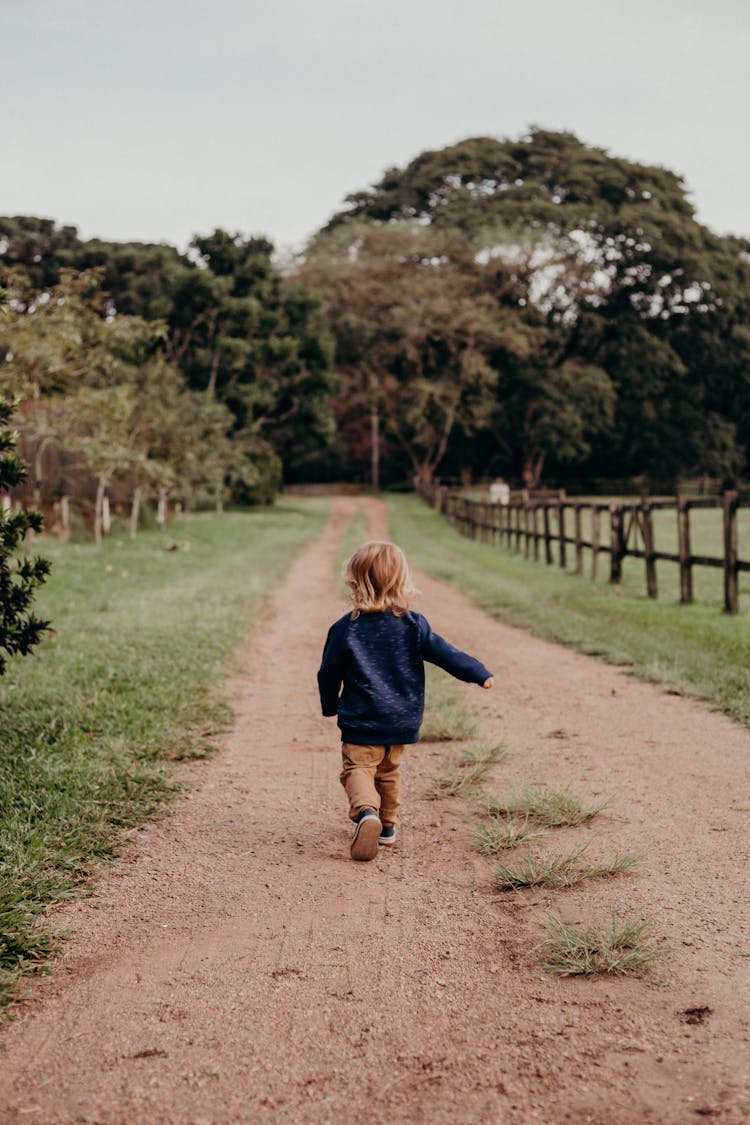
[561, 531]
[615, 540]
[578, 537]
[683, 549]
[547, 536]
[731, 592]
[647, 531]
[596, 527]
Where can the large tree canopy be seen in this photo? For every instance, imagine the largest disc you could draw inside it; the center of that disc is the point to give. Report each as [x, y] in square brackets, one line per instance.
[608, 262]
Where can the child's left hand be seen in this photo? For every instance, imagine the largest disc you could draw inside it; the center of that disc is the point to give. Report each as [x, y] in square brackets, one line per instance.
[489, 683]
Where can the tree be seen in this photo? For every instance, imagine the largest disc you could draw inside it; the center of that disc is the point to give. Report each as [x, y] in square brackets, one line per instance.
[418, 330]
[20, 629]
[233, 325]
[608, 255]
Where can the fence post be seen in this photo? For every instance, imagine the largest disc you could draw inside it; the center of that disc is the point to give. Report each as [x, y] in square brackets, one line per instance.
[731, 594]
[615, 542]
[578, 536]
[647, 531]
[547, 536]
[535, 527]
[683, 549]
[596, 527]
[561, 530]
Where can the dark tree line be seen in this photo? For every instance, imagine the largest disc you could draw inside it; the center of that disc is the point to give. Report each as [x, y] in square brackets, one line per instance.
[530, 307]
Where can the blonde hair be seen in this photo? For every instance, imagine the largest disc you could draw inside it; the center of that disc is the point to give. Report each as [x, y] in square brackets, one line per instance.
[378, 576]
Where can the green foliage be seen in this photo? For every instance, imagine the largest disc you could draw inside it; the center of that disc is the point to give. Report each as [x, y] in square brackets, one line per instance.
[20, 629]
[417, 325]
[638, 313]
[224, 316]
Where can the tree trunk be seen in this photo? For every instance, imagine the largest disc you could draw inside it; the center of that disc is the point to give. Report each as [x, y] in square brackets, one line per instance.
[106, 516]
[532, 470]
[161, 508]
[38, 473]
[375, 447]
[135, 511]
[98, 506]
[64, 533]
[211, 388]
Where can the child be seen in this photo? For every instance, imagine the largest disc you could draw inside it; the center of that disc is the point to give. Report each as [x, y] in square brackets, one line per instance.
[377, 652]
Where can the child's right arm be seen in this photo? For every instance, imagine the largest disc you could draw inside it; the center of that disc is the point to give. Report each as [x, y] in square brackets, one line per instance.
[459, 664]
[331, 672]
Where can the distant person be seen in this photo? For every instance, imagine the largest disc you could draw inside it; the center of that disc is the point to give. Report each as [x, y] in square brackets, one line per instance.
[376, 654]
[500, 492]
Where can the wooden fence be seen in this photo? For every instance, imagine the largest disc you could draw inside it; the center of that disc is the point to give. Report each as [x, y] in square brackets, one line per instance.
[548, 523]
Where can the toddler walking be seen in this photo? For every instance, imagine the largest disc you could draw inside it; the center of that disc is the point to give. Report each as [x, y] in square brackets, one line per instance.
[372, 677]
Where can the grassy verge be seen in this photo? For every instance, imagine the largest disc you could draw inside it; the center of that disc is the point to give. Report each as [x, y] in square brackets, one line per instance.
[126, 685]
[695, 650]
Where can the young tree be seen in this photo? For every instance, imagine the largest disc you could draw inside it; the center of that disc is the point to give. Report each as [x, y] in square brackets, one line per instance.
[20, 629]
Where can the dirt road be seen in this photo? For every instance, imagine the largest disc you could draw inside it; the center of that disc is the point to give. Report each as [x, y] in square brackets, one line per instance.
[238, 967]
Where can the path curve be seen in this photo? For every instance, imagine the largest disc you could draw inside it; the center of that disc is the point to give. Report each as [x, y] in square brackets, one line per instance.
[237, 967]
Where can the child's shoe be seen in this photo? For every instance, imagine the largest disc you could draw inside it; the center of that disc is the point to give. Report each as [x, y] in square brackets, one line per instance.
[366, 834]
[387, 835]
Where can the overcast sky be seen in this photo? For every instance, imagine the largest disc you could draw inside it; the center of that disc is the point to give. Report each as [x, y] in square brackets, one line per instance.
[154, 119]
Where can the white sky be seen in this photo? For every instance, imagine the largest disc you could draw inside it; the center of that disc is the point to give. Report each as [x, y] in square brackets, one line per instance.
[154, 119]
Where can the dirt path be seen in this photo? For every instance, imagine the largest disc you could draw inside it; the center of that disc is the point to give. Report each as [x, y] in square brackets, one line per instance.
[238, 967]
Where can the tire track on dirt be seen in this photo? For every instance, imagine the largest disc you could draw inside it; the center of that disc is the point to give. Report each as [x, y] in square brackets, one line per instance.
[237, 967]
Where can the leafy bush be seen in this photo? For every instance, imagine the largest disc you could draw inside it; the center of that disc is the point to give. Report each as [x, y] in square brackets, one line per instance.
[20, 629]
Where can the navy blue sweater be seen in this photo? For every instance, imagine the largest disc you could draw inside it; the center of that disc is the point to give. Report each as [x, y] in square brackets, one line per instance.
[379, 660]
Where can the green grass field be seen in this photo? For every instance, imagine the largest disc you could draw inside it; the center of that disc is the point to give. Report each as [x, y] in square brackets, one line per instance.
[128, 683]
[696, 649]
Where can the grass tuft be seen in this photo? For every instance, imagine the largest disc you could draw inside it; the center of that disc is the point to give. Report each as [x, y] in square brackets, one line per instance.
[500, 835]
[483, 755]
[560, 870]
[625, 947]
[448, 717]
[554, 808]
[465, 777]
[462, 781]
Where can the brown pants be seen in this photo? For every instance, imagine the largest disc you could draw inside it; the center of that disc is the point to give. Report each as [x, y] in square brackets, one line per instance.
[371, 777]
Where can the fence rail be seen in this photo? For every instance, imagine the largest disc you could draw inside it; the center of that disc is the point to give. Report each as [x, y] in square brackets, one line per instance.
[536, 523]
